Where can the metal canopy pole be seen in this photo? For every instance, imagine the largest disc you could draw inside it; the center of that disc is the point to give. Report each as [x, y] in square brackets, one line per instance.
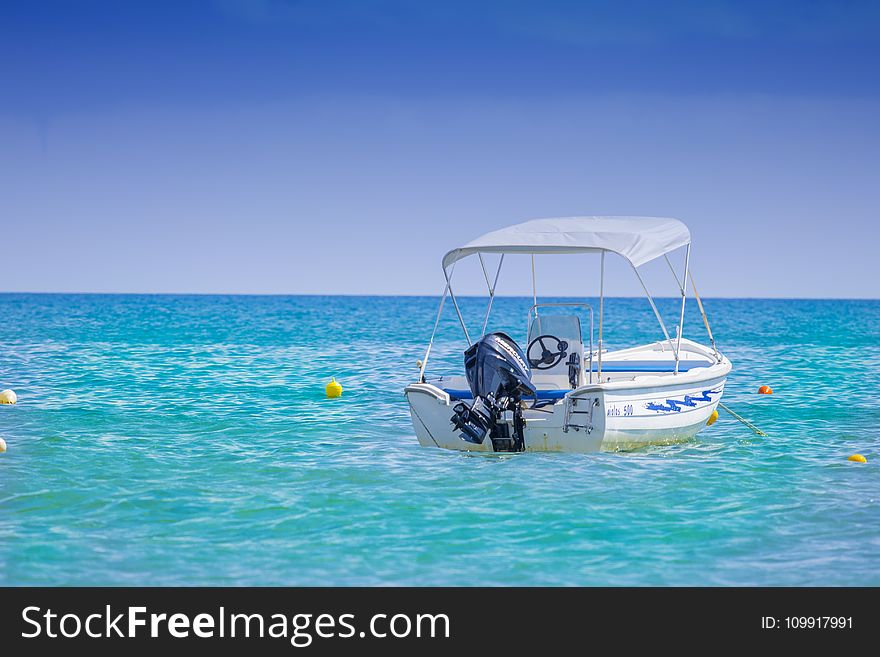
[485, 272]
[433, 333]
[601, 311]
[687, 259]
[703, 313]
[674, 275]
[656, 312]
[455, 303]
[534, 285]
[491, 290]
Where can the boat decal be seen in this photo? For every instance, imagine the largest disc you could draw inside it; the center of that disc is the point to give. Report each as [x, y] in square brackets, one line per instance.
[512, 353]
[675, 405]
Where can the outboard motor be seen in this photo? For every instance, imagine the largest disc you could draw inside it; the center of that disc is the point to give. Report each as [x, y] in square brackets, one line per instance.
[498, 375]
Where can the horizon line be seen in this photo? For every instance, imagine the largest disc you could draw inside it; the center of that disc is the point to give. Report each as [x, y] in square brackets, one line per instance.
[420, 296]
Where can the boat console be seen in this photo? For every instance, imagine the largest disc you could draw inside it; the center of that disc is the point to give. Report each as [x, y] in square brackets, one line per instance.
[556, 350]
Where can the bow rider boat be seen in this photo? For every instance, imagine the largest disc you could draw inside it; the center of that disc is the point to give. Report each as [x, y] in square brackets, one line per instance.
[562, 394]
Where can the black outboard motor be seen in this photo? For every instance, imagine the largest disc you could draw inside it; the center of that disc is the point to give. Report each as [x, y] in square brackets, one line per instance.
[498, 375]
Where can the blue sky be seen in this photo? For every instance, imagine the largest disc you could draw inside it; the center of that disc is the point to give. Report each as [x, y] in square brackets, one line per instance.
[276, 146]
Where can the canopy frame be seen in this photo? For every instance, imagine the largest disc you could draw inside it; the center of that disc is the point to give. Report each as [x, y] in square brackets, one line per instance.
[681, 239]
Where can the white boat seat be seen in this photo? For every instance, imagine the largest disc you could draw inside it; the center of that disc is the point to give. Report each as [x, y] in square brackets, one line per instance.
[648, 365]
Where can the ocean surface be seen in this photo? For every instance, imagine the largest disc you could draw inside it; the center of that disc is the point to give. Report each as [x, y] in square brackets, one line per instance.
[186, 440]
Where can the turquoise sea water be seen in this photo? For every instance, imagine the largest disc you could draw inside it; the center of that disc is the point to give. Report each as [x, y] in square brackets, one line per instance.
[165, 440]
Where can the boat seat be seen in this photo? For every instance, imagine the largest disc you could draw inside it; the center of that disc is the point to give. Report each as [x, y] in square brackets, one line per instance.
[649, 365]
[458, 395]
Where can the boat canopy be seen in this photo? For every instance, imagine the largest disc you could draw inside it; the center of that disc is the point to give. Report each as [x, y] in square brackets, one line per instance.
[638, 239]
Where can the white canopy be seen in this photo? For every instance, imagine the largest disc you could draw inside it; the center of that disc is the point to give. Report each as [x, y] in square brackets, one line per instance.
[638, 239]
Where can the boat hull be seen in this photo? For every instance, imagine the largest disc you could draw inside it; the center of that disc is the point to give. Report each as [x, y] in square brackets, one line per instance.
[612, 417]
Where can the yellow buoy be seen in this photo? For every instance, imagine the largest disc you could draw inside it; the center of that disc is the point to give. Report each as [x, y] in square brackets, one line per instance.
[333, 389]
[8, 397]
[857, 458]
[2, 445]
[712, 419]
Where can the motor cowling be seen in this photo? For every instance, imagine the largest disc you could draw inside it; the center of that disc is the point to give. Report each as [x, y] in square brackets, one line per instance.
[495, 365]
[498, 375]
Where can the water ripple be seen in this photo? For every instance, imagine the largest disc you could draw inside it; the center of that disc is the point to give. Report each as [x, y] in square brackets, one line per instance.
[187, 440]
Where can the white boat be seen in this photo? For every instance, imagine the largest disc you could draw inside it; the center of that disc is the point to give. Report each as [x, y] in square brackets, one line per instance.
[561, 394]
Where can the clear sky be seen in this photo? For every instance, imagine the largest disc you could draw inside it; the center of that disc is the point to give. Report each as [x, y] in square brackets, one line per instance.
[321, 146]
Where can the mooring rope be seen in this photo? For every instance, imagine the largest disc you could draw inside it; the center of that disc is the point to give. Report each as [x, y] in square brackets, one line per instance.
[751, 426]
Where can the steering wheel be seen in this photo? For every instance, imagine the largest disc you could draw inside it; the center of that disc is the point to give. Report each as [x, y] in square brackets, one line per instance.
[547, 359]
